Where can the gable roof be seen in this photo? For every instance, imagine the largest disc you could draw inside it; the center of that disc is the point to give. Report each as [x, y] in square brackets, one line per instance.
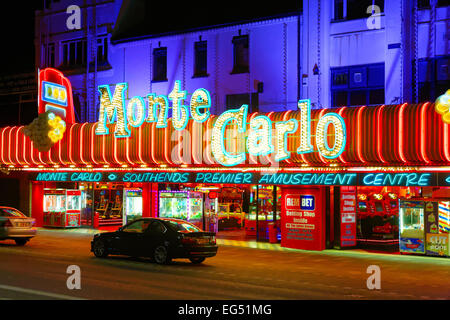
[141, 19]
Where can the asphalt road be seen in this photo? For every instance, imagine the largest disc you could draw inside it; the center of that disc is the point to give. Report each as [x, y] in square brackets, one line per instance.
[38, 271]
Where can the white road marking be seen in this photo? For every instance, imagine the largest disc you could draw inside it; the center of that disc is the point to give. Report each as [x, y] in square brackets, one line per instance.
[39, 293]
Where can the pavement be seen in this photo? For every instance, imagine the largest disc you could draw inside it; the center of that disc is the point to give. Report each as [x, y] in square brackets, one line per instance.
[38, 270]
[253, 244]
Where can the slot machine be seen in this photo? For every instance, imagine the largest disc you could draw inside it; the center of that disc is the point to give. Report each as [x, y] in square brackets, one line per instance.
[391, 204]
[55, 94]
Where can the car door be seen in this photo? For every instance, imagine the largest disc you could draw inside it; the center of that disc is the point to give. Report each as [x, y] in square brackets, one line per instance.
[129, 237]
[155, 235]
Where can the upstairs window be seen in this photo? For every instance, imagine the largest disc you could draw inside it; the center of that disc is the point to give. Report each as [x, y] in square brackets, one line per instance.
[50, 55]
[240, 54]
[200, 59]
[102, 50]
[357, 85]
[160, 64]
[434, 76]
[74, 52]
[355, 9]
[426, 4]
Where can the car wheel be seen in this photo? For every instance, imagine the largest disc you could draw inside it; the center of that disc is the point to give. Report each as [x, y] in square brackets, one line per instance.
[197, 260]
[161, 255]
[99, 249]
[21, 242]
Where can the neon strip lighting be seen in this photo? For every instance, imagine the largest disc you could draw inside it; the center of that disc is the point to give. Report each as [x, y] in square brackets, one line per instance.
[359, 135]
[251, 158]
[153, 144]
[447, 141]
[140, 145]
[92, 149]
[340, 111]
[127, 152]
[289, 161]
[9, 145]
[401, 133]
[380, 134]
[423, 132]
[115, 149]
[24, 149]
[81, 135]
[322, 159]
[103, 150]
[166, 144]
[70, 145]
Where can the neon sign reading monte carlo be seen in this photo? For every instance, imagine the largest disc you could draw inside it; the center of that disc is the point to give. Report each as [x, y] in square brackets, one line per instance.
[260, 133]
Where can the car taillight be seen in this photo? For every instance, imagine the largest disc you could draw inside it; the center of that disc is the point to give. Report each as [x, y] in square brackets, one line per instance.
[188, 240]
[213, 239]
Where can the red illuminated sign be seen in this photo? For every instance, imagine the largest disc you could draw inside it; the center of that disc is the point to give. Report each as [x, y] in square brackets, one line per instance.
[303, 219]
[348, 217]
[55, 95]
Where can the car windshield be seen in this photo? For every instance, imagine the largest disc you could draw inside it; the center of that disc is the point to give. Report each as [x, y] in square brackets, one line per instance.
[8, 212]
[183, 226]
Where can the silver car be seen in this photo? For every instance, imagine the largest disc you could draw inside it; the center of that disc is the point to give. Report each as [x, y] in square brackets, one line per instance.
[16, 226]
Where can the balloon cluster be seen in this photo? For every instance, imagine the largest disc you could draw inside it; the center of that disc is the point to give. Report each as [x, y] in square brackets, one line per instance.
[45, 131]
[442, 106]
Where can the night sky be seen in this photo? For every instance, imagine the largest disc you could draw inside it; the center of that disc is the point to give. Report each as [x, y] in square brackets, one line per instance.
[17, 22]
[17, 25]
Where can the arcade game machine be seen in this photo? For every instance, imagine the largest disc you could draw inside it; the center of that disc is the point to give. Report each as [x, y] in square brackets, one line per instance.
[55, 94]
[211, 207]
[62, 208]
[184, 205]
[132, 204]
[412, 227]
[102, 205]
[265, 211]
[195, 213]
[437, 216]
[362, 214]
[384, 218]
[378, 221]
[115, 213]
[231, 215]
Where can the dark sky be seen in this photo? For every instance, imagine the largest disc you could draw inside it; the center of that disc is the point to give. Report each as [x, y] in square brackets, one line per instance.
[17, 40]
[17, 22]
[147, 17]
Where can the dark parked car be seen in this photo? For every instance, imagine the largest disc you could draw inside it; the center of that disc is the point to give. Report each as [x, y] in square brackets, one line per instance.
[15, 225]
[158, 238]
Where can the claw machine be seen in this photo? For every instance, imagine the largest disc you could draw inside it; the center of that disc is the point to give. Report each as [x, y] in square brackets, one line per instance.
[62, 208]
[412, 227]
[184, 205]
[132, 204]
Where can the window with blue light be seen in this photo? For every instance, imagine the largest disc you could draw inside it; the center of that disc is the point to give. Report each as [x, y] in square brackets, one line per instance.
[160, 64]
[200, 59]
[433, 77]
[240, 54]
[355, 9]
[357, 85]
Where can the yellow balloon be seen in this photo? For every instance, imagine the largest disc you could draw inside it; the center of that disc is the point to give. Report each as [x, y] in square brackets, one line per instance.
[446, 117]
[441, 108]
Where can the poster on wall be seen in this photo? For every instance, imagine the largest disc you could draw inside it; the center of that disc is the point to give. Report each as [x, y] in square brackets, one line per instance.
[303, 225]
[348, 217]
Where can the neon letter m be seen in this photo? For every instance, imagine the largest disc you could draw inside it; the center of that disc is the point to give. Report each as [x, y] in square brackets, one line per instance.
[113, 109]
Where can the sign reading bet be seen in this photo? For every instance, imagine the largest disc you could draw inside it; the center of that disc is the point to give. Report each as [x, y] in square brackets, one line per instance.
[261, 129]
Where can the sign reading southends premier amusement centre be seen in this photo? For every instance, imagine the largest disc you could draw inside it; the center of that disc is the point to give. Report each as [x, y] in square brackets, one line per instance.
[259, 136]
